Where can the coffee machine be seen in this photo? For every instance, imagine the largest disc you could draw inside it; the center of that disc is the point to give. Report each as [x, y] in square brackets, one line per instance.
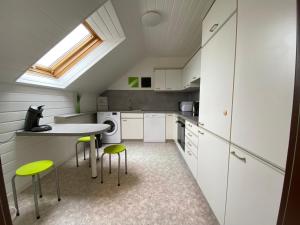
[34, 113]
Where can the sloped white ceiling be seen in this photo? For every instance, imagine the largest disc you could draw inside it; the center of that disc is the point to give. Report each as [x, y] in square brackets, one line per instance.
[120, 59]
[179, 33]
[30, 28]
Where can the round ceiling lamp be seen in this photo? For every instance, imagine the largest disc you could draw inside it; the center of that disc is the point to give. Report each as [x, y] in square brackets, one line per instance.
[151, 18]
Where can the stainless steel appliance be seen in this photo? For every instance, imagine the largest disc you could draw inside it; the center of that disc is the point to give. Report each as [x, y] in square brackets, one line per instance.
[181, 132]
[186, 106]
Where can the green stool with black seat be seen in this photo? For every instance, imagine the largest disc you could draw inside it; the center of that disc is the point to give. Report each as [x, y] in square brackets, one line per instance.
[34, 169]
[86, 140]
[113, 150]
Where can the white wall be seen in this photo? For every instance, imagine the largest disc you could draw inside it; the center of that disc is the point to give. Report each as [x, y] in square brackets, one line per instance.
[14, 102]
[145, 69]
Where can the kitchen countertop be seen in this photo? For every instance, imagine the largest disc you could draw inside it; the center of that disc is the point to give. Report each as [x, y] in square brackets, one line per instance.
[184, 115]
[68, 130]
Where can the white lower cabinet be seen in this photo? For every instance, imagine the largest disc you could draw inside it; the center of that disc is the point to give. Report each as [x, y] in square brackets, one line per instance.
[254, 191]
[191, 160]
[132, 126]
[171, 127]
[213, 156]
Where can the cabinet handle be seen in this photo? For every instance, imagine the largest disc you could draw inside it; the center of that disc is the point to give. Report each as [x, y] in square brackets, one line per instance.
[124, 120]
[189, 153]
[202, 133]
[190, 144]
[189, 135]
[238, 157]
[194, 78]
[212, 29]
[201, 124]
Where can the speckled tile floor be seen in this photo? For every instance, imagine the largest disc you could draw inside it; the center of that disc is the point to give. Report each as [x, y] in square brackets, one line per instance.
[159, 189]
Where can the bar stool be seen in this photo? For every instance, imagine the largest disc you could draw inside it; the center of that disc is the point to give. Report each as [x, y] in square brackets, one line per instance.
[34, 169]
[114, 149]
[86, 140]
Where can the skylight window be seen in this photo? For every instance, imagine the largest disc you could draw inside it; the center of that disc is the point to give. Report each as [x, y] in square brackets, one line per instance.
[67, 52]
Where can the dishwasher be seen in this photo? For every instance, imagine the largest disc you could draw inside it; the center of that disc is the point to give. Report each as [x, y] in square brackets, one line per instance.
[154, 127]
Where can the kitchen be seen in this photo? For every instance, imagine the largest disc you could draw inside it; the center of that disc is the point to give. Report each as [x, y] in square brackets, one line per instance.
[182, 112]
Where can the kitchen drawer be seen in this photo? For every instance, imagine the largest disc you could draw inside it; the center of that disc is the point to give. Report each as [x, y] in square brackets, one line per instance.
[191, 161]
[191, 127]
[192, 137]
[132, 115]
[216, 17]
[192, 147]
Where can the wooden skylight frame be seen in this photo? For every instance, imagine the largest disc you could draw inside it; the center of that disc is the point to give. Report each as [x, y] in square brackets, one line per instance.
[67, 61]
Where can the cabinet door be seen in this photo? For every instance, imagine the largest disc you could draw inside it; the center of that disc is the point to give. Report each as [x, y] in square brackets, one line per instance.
[170, 127]
[254, 191]
[217, 15]
[264, 79]
[213, 156]
[173, 80]
[191, 161]
[195, 69]
[216, 85]
[159, 80]
[132, 128]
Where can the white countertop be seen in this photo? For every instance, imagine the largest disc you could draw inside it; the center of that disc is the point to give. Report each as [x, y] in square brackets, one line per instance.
[69, 130]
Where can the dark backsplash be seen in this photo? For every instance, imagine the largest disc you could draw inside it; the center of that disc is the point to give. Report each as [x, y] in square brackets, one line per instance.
[119, 100]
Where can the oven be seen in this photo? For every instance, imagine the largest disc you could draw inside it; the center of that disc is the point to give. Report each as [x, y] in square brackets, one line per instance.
[181, 132]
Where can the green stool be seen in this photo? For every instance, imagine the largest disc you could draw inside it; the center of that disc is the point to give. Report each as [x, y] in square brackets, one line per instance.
[86, 140]
[34, 169]
[114, 149]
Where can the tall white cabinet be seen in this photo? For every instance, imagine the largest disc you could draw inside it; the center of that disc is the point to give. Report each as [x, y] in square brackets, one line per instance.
[264, 78]
[216, 85]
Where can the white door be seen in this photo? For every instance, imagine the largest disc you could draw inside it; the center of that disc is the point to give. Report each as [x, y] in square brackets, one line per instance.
[216, 85]
[159, 80]
[264, 79]
[254, 191]
[170, 127]
[132, 128]
[173, 79]
[213, 156]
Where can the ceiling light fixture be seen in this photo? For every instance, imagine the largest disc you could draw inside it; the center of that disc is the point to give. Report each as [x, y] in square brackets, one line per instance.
[151, 18]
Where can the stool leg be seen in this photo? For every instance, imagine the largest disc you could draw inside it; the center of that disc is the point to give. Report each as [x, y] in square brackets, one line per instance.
[84, 151]
[109, 163]
[57, 184]
[97, 149]
[102, 167]
[77, 154]
[125, 161]
[40, 186]
[35, 198]
[90, 158]
[119, 162]
[15, 194]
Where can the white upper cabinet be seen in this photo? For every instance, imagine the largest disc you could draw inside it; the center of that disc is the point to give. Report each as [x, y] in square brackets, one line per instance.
[192, 70]
[218, 14]
[264, 78]
[216, 85]
[254, 191]
[167, 80]
[173, 79]
[213, 156]
[159, 80]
